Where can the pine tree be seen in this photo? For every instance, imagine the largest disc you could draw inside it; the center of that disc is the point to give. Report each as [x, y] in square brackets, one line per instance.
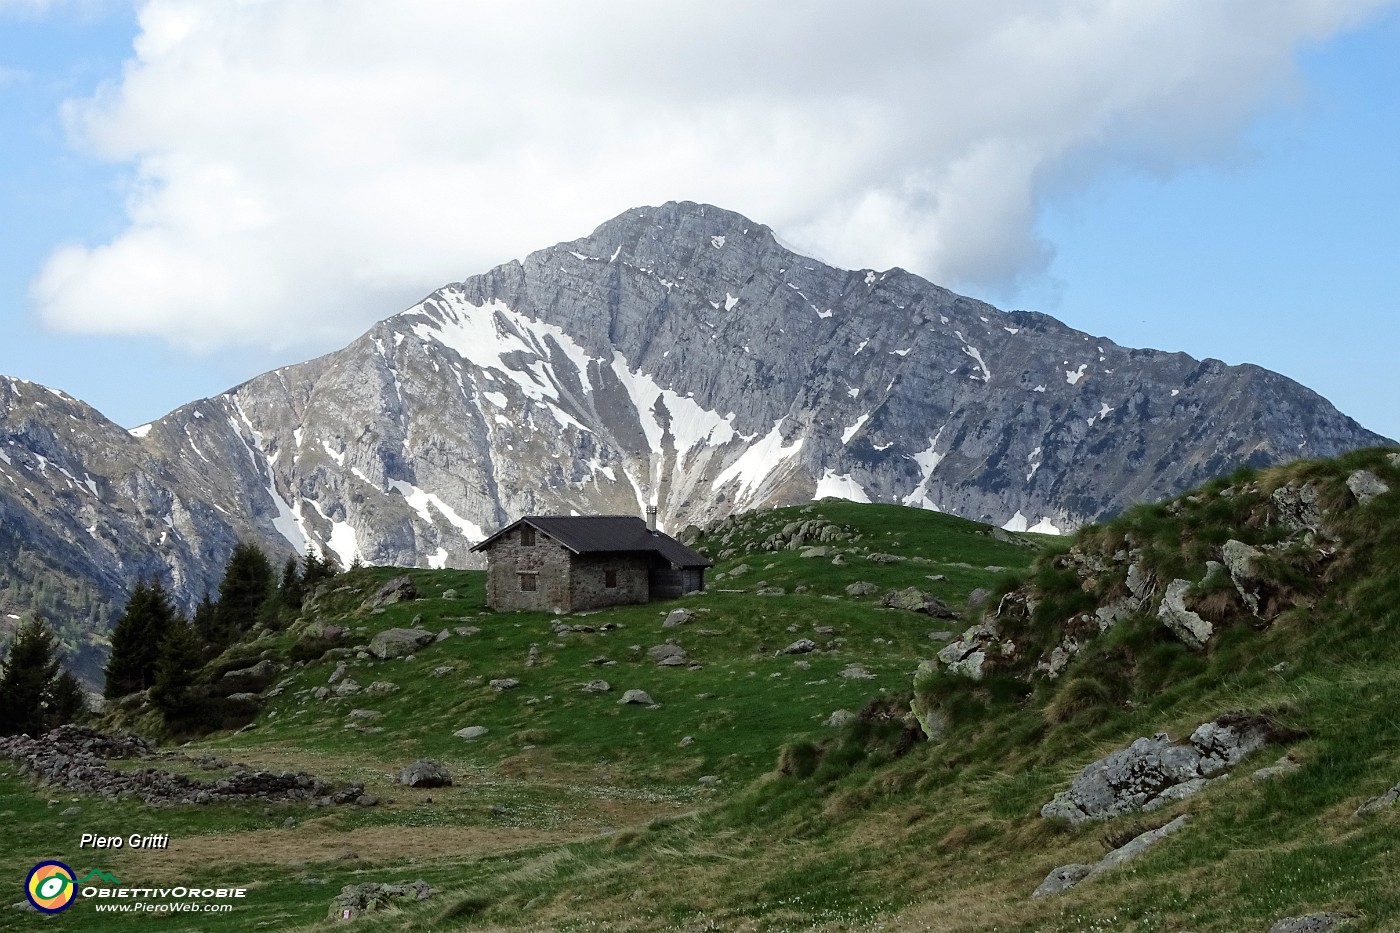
[175, 693]
[293, 590]
[66, 699]
[26, 682]
[246, 585]
[136, 639]
[206, 620]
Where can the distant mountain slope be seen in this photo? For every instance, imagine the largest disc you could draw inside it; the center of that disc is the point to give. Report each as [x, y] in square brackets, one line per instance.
[680, 356]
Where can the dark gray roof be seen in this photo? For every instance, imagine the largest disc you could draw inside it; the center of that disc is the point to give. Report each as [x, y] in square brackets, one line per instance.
[596, 534]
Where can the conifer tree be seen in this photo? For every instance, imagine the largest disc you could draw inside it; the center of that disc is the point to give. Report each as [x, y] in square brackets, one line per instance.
[175, 693]
[136, 639]
[27, 680]
[292, 590]
[246, 585]
[206, 620]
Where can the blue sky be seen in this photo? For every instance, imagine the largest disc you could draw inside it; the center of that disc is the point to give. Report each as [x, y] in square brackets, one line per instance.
[193, 193]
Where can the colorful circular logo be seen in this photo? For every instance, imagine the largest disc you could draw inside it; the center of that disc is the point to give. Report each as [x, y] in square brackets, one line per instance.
[50, 887]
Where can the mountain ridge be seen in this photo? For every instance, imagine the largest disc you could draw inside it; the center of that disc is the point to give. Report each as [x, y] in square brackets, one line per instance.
[679, 356]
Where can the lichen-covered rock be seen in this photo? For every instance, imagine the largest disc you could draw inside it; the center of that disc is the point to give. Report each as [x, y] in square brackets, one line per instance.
[636, 698]
[861, 588]
[1067, 876]
[678, 617]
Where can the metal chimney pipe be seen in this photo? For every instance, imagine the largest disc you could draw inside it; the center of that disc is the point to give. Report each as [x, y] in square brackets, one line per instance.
[651, 518]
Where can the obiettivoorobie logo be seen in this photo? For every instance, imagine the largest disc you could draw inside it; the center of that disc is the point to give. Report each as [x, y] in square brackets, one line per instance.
[50, 887]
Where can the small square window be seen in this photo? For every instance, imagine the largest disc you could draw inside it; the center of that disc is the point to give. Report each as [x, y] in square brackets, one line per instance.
[610, 579]
[528, 582]
[527, 536]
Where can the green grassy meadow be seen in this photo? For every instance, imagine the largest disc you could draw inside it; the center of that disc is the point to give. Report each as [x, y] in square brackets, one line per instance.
[575, 813]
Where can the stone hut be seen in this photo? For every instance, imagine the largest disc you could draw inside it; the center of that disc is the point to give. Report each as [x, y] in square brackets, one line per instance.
[567, 563]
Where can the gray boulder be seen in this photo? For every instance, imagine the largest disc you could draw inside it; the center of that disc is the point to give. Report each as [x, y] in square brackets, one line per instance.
[597, 686]
[253, 679]
[678, 617]
[840, 718]
[801, 646]
[914, 599]
[636, 698]
[1365, 486]
[1153, 772]
[1067, 876]
[399, 589]
[862, 588]
[399, 642]
[1376, 804]
[357, 899]
[471, 733]
[667, 655]
[1184, 623]
[424, 773]
[504, 683]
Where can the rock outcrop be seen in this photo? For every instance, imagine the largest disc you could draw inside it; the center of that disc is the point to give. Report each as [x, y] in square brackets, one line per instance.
[1153, 772]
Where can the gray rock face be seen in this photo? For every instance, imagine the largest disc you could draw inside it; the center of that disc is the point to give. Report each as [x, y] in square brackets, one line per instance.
[1184, 623]
[399, 589]
[548, 384]
[1153, 772]
[399, 642]
[424, 773]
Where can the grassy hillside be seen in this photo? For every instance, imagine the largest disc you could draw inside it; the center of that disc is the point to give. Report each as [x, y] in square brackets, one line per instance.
[732, 805]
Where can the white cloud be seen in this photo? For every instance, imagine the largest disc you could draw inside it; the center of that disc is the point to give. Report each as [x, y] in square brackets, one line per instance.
[304, 167]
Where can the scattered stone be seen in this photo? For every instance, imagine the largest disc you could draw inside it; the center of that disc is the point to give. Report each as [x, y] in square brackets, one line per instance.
[367, 800]
[449, 594]
[364, 898]
[709, 779]
[443, 635]
[856, 672]
[532, 657]
[820, 550]
[398, 642]
[687, 741]
[914, 599]
[366, 715]
[424, 773]
[471, 733]
[597, 686]
[382, 688]
[801, 646]
[466, 630]
[740, 570]
[443, 670]
[940, 635]
[504, 683]
[636, 698]
[978, 598]
[840, 718]
[72, 811]
[878, 558]
[399, 589]
[1365, 486]
[770, 591]
[839, 560]
[678, 617]
[73, 758]
[861, 588]
[346, 688]
[338, 673]
[321, 693]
